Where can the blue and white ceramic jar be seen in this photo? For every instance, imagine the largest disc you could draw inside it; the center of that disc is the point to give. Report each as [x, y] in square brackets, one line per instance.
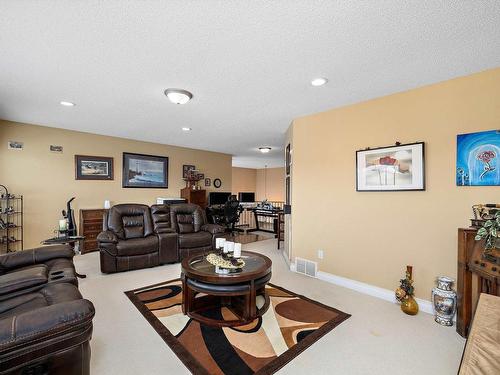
[444, 301]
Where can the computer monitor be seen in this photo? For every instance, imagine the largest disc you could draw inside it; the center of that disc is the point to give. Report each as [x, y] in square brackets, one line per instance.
[246, 197]
[218, 198]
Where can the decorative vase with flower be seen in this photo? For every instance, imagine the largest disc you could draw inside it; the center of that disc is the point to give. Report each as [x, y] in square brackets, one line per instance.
[444, 301]
[404, 294]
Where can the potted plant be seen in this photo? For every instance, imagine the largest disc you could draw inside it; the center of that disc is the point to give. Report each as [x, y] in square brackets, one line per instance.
[490, 233]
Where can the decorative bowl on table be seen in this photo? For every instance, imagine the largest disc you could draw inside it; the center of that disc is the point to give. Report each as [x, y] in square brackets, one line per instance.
[225, 262]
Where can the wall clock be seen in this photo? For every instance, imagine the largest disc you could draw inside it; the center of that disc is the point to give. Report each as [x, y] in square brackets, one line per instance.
[217, 183]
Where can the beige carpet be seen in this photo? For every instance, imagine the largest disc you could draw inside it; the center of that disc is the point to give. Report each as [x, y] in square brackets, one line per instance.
[377, 339]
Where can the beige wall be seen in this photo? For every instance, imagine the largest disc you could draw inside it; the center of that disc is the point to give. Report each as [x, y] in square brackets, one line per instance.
[244, 180]
[47, 180]
[270, 184]
[370, 237]
[265, 183]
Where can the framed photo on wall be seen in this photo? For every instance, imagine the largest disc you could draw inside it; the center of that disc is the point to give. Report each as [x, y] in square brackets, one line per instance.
[394, 168]
[185, 170]
[93, 168]
[144, 171]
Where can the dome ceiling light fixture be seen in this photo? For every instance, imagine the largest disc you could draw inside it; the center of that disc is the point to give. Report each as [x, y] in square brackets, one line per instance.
[186, 129]
[319, 81]
[264, 150]
[178, 96]
[67, 104]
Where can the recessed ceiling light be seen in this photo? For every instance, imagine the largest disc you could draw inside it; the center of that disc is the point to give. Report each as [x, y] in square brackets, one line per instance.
[186, 129]
[319, 81]
[178, 96]
[264, 150]
[67, 104]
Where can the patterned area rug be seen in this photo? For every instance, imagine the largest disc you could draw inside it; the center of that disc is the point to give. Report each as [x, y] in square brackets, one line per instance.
[291, 324]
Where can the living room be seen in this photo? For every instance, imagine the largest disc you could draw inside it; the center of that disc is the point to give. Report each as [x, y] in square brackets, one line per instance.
[258, 187]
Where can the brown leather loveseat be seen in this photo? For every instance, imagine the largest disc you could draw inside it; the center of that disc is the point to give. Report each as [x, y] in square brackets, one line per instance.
[195, 234]
[45, 324]
[133, 238]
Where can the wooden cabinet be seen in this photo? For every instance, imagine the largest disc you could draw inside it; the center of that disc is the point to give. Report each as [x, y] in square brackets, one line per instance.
[198, 197]
[476, 275]
[90, 227]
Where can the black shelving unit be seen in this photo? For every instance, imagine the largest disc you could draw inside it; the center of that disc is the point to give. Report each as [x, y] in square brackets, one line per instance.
[11, 221]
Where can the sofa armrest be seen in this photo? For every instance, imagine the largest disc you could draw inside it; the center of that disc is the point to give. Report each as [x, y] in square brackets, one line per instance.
[107, 241]
[213, 228]
[34, 256]
[46, 323]
[107, 237]
[168, 247]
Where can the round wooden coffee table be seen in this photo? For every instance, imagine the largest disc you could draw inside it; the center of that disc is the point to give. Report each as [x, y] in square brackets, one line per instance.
[206, 293]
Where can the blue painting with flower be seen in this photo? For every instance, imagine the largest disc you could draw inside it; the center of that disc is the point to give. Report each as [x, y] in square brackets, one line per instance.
[478, 159]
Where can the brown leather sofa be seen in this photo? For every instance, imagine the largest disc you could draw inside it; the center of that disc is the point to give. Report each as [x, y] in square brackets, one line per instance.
[195, 234]
[135, 236]
[45, 325]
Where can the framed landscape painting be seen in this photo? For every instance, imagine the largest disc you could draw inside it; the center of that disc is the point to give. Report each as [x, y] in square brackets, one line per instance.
[93, 167]
[394, 168]
[144, 171]
[478, 159]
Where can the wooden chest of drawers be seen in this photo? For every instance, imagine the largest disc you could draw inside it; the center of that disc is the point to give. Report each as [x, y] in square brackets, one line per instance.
[198, 197]
[90, 227]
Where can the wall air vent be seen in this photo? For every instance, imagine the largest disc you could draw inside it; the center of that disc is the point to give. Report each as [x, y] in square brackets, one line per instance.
[306, 267]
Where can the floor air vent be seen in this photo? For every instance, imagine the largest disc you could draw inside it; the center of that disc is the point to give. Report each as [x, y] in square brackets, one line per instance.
[306, 267]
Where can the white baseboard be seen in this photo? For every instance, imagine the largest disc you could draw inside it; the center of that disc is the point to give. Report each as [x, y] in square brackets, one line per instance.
[372, 290]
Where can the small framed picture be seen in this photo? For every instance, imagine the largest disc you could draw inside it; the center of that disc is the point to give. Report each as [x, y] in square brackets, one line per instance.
[56, 149]
[14, 145]
[208, 182]
[144, 171]
[200, 176]
[93, 168]
[185, 170]
[394, 168]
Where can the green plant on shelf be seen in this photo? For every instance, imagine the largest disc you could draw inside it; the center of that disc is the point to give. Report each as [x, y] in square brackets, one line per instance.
[490, 232]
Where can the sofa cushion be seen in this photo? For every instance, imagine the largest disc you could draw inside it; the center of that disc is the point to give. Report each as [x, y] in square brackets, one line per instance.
[137, 246]
[23, 278]
[198, 239]
[130, 221]
[187, 217]
[161, 218]
[48, 295]
[133, 226]
[185, 223]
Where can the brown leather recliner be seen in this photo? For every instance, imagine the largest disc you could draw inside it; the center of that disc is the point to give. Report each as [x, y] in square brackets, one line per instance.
[45, 325]
[129, 240]
[195, 235]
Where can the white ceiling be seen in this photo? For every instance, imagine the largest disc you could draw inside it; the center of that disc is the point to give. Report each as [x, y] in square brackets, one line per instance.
[248, 63]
